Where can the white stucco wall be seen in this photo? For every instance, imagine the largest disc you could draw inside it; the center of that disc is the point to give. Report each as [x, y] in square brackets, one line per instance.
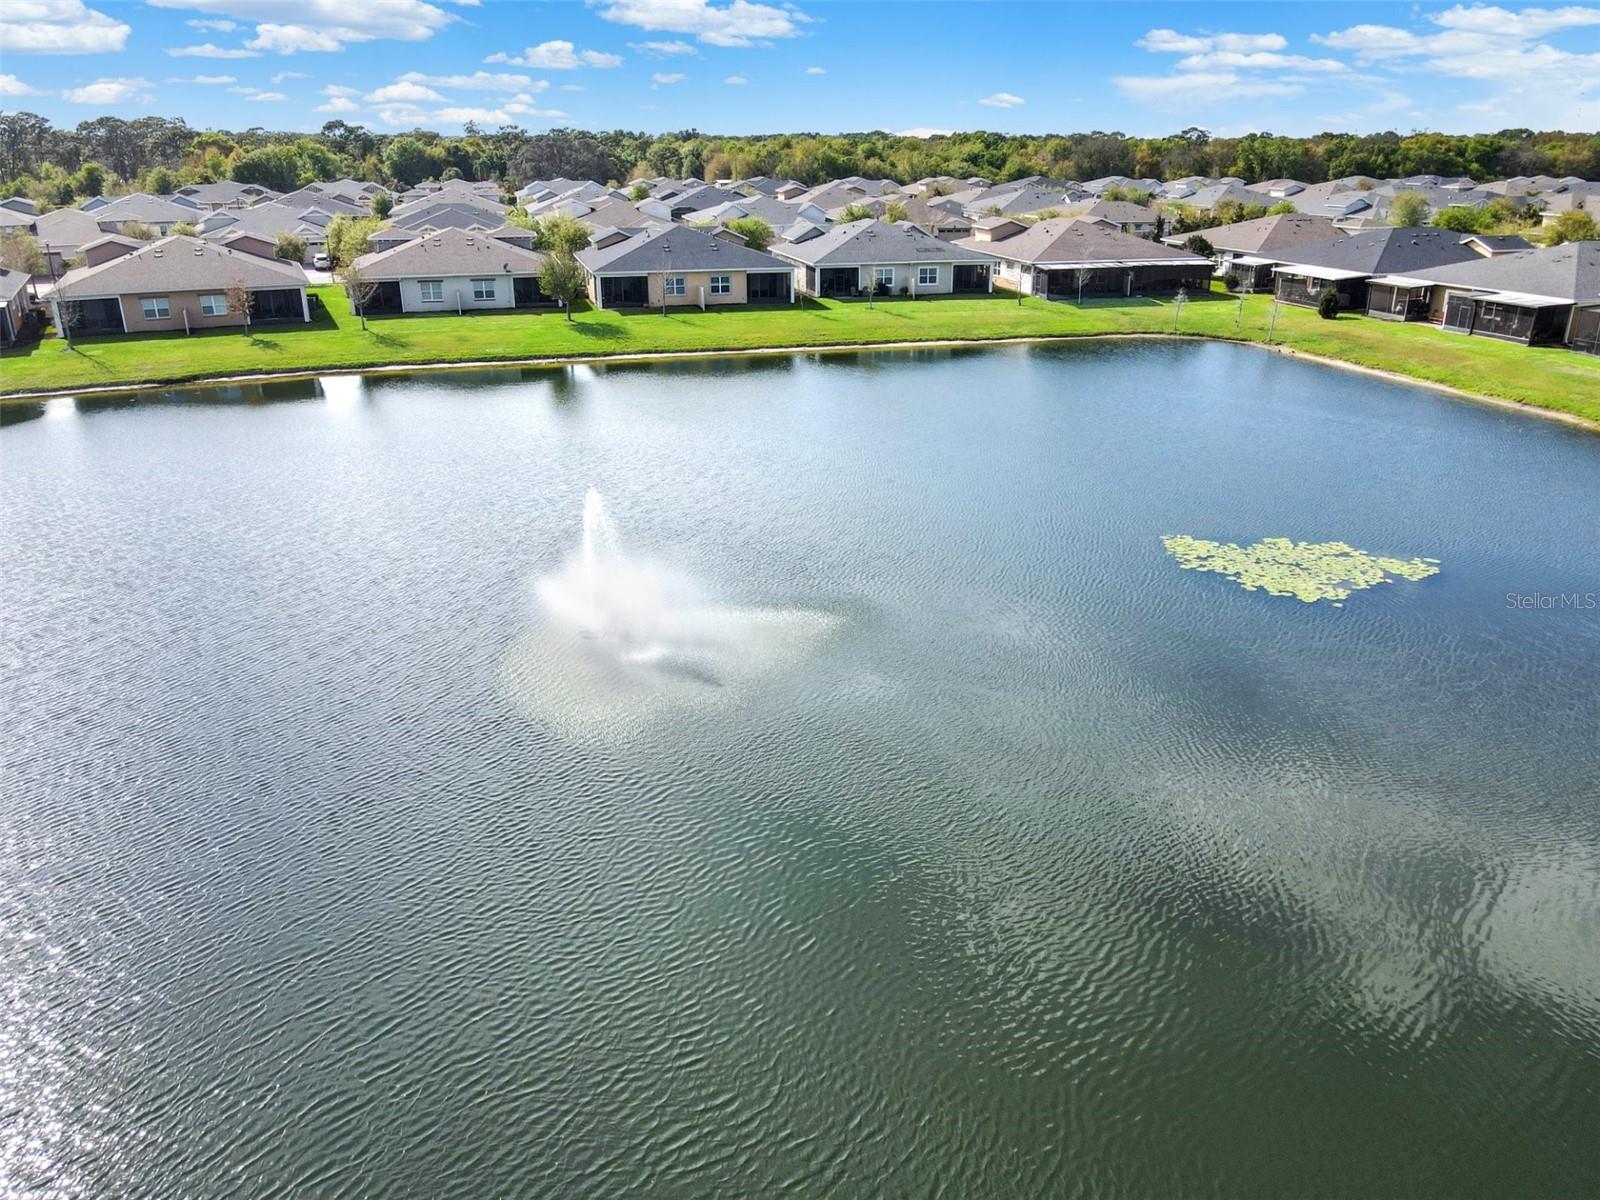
[455, 288]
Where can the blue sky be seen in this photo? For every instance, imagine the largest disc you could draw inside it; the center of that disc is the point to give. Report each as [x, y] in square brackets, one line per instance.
[747, 66]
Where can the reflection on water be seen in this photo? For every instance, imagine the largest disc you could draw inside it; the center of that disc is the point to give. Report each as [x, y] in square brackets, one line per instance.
[856, 801]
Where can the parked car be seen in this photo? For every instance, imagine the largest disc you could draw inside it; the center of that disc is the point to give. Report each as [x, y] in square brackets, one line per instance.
[321, 262]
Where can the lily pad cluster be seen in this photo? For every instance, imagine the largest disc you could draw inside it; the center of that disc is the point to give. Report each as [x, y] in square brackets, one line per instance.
[1311, 571]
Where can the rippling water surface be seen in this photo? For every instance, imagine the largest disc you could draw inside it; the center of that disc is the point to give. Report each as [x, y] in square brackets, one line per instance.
[1027, 864]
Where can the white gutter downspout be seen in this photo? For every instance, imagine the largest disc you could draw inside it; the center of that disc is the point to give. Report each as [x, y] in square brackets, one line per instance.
[305, 306]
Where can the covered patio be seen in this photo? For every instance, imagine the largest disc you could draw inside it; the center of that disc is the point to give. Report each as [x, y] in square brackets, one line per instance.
[1400, 298]
[1304, 285]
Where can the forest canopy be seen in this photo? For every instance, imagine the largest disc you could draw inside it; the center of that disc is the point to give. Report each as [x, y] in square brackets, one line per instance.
[60, 166]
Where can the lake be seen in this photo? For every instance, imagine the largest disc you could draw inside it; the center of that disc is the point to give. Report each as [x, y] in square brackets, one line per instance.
[853, 798]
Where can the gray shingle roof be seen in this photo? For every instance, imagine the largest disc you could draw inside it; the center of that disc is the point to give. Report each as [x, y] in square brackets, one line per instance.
[1069, 241]
[1387, 251]
[675, 248]
[11, 282]
[179, 264]
[878, 243]
[1265, 234]
[1568, 272]
[450, 252]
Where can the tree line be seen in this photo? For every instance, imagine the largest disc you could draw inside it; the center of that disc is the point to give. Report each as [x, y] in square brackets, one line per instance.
[58, 166]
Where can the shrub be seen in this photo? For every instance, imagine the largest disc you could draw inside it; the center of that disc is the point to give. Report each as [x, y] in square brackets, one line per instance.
[291, 248]
[1328, 304]
[1195, 244]
[1231, 282]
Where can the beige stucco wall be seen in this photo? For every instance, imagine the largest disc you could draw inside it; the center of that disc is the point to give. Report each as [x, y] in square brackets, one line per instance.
[696, 283]
[178, 303]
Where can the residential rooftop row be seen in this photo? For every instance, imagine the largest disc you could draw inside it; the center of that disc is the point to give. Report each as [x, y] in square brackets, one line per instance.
[451, 247]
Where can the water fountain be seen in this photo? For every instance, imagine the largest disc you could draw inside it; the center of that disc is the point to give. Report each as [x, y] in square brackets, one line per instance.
[617, 639]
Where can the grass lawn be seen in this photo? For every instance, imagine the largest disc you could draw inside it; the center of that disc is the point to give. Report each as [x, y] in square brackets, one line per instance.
[1548, 378]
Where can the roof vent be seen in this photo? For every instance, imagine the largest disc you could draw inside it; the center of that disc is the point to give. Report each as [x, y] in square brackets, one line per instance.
[156, 253]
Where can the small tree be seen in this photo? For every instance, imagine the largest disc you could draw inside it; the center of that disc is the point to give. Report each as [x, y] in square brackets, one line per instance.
[1571, 226]
[639, 191]
[382, 203]
[757, 234]
[1328, 304]
[1281, 207]
[563, 277]
[68, 313]
[1408, 209]
[291, 248]
[184, 229]
[238, 299]
[1195, 244]
[854, 212]
[895, 210]
[19, 251]
[873, 287]
[1458, 218]
[361, 291]
[560, 234]
[138, 231]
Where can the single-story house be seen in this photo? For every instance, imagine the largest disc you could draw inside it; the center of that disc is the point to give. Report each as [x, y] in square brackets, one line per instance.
[15, 316]
[679, 266]
[1245, 249]
[1064, 258]
[1137, 219]
[1347, 263]
[1549, 295]
[895, 257]
[176, 283]
[226, 194]
[452, 270]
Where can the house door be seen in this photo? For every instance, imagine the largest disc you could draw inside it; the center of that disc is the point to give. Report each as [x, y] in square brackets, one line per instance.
[1458, 312]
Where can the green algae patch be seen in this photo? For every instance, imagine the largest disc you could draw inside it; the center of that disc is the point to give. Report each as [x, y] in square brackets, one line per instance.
[1311, 571]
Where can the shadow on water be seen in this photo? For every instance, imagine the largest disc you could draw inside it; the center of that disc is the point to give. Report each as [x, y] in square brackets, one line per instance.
[17, 412]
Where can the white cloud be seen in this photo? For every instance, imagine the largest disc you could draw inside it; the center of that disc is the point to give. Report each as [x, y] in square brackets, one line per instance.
[522, 106]
[402, 93]
[572, 87]
[59, 27]
[1527, 79]
[255, 93]
[557, 56]
[1002, 100]
[664, 77]
[293, 26]
[666, 48]
[922, 131]
[214, 26]
[204, 80]
[10, 85]
[207, 50]
[741, 23]
[295, 39]
[1261, 60]
[1389, 101]
[482, 116]
[1169, 41]
[816, 71]
[109, 91]
[338, 89]
[478, 81]
[736, 80]
[338, 104]
[1210, 86]
[281, 76]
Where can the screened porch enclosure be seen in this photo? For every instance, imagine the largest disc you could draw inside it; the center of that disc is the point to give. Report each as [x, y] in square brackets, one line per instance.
[838, 281]
[970, 277]
[1393, 302]
[93, 316]
[767, 287]
[1485, 316]
[1586, 331]
[276, 304]
[624, 291]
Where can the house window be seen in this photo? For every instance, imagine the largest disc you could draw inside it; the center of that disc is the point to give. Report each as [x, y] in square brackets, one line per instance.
[432, 290]
[676, 285]
[721, 285]
[155, 308]
[483, 289]
[928, 276]
[884, 276]
[213, 306]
